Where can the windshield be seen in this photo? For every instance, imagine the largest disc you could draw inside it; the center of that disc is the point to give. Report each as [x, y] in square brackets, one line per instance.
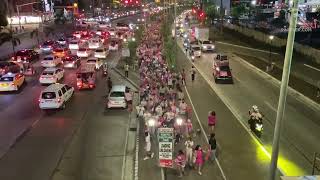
[6, 79]
[47, 43]
[206, 42]
[47, 73]
[74, 42]
[61, 39]
[58, 50]
[48, 58]
[196, 48]
[91, 61]
[22, 53]
[84, 76]
[81, 49]
[117, 94]
[99, 50]
[48, 95]
[224, 68]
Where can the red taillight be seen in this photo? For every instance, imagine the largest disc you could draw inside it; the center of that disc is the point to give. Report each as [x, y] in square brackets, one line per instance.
[79, 84]
[91, 85]
[50, 46]
[12, 57]
[13, 84]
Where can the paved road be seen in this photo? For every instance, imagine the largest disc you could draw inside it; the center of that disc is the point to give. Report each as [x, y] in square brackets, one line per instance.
[300, 128]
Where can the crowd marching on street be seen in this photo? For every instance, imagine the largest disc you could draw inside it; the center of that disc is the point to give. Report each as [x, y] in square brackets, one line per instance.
[162, 104]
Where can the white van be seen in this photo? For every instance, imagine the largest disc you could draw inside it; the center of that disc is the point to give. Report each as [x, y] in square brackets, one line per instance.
[55, 96]
[116, 98]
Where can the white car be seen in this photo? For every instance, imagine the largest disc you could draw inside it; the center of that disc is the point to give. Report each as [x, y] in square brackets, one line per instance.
[96, 62]
[51, 61]
[196, 49]
[207, 45]
[94, 43]
[74, 45]
[104, 25]
[116, 97]
[55, 96]
[112, 32]
[51, 75]
[101, 53]
[11, 81]
[77, 34]
[83, 52]
[62, 41]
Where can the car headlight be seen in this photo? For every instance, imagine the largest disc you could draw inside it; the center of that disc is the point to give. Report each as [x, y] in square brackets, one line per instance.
[204, 47]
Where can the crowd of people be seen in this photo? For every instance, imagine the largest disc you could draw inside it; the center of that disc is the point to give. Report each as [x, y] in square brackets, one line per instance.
[162, 104]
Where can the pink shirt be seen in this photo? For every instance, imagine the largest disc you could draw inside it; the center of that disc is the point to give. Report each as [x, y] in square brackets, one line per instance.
[212, 120]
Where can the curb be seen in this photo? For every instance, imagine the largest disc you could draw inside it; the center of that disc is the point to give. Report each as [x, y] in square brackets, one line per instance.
[131, 82]
[299, 96]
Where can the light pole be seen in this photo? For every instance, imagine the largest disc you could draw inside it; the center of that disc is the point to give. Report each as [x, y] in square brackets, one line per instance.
[283, 90]
[271, 37]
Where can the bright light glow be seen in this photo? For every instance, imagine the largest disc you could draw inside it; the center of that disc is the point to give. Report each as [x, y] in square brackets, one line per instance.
[253, 2]
[133, 39]
[24, 19]
[151, 122]
[271, 37]
[179, 121]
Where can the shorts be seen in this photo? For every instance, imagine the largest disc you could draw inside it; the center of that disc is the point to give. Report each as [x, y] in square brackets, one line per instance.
[129, 102]
[211, 125]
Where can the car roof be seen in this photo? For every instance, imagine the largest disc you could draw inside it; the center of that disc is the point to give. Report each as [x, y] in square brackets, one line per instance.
[49, 56]
[51, 69]
[121, 88]
[53, 87]
[193, 46]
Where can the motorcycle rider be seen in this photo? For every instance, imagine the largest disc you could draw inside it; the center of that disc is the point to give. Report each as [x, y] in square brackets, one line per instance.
[255, 117]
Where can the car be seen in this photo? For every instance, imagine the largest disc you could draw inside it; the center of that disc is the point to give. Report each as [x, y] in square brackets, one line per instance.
[84, 52]
[94, 43]
[82, 24]
[86, 77]
[61, 52]
[221, 69]
[71, 61]
[11, 81]
[112, 32]
[77, 34]
[85, 37]
[51, 75]
[25, 56]
[55, 96]
[113, 46]
[48, 46]
[196, 50]
[95, 61]
[104, 25]
[51, 61]
[186, 43]
[9, 66]
[141, 20]
[207, 45]
[192, 43]
[101, 53]
[74, 45]
[62, 41]
[116, 97]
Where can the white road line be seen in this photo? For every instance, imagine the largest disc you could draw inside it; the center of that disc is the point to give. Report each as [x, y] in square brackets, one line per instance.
[312, 67]
[125, 151]
[203, 132]
[136, 162]
[270, 106]
[244, 47]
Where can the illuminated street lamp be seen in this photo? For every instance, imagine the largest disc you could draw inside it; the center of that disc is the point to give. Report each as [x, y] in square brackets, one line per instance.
[133, 39]
[253, 2]
[151, 123]
[271, 37]
[179, 122]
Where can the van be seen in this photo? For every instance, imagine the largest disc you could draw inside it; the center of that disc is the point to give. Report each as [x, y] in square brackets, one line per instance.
[116, 98]
[55, 96]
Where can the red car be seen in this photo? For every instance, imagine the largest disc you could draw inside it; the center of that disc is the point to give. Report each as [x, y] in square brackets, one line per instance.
[25, 56]
[221, 69]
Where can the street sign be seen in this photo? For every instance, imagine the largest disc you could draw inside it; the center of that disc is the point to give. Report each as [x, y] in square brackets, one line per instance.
[125, 52]
[165, 138]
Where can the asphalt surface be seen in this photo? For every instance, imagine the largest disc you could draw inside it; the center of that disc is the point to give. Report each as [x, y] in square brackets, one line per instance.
[83, 141]
[300, 126]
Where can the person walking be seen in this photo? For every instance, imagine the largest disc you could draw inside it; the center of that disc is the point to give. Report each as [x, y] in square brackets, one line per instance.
[149, 154]
[126, 70]
[199, 158]
[212, 121]
[183, 77]
[180, 162]
[211, 154]
[189, 148]
[193, 73]
[109, 84]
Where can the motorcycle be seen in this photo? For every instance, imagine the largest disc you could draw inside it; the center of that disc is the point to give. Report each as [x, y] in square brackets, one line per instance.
[192, 58]
[105, 72]
[255, 122]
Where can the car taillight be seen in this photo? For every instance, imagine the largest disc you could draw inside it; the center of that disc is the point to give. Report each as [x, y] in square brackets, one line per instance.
[40, 46]
[12, 84]
[79, 84]
[59, 100]
[12, 57]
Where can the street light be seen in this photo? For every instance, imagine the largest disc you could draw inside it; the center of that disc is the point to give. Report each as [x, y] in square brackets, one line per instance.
[133, 39]
[179, 122]
[253, 2]
[271, 37]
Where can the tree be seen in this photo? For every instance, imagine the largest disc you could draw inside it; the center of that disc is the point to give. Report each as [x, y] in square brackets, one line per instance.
[212, 11]
[4, 13]
[8, 36]
[238, 10]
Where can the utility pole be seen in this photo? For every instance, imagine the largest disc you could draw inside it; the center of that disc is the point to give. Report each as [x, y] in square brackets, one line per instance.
[283, 90]
[221, 16]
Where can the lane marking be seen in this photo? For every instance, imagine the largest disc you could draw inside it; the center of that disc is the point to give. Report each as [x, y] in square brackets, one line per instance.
[245, 47]
[270, 106]
[136, 162]
[233, 111]
[203, 132]
[314, 68]
[125, 151]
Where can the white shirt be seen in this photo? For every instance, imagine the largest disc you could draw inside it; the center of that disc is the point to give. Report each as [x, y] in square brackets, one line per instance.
[189, 145]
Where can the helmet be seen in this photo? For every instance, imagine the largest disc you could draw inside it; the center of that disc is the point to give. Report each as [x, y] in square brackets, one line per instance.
[255, 108]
